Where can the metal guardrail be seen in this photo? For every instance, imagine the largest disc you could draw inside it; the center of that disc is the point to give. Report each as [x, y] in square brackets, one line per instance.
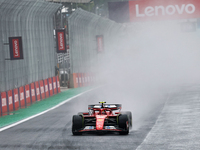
[83, 29]
[33, 20]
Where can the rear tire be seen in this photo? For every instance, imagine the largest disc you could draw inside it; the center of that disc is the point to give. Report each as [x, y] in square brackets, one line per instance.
[76, 124]
[124, 124]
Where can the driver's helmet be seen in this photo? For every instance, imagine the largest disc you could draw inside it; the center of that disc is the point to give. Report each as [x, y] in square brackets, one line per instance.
[102, 104]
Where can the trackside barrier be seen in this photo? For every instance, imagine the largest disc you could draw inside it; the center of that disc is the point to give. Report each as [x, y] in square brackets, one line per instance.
[0, 106]
[10, 100]
[82, 79]
[21, 95]
[50, 86]
[27, 95]
[86, 81]
[16, 99]
[54, 85]
[37, 91]
[79, 79]
[58, 84]
[42, 89]
[33, 98]
[46, 88]
[4, 108]
[75, 80]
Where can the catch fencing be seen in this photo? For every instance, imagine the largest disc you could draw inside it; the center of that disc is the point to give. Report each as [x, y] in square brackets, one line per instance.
[33, 21]
[84, 27]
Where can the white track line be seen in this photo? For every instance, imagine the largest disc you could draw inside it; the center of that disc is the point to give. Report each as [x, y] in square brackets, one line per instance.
[29, 118]
[156, 121]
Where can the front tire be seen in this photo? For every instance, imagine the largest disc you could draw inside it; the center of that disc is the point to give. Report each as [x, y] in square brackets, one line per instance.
[76, 124]
[129, 114]
[124, 124]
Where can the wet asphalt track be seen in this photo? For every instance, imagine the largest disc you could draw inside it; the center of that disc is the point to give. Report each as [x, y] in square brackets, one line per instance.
[52, 131]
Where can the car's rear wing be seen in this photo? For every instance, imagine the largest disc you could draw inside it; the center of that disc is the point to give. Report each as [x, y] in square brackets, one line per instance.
[110, 106]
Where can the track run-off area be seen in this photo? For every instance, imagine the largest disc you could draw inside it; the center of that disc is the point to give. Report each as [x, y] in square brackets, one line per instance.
[172, 124]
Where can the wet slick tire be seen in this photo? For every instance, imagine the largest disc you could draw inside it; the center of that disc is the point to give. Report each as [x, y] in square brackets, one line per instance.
[76, 124]
[124, 124]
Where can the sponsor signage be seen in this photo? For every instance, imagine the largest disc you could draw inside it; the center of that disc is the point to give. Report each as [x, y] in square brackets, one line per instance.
[27, 94]
[33, 96]
[100, 44]
[10, 100]
[46, 88]
[163, 9]
[16, 98]
[42, 89]
[22, 98]
[37, 88]
[54, 85]
[58, 84]
[153, 10]
[3, 102]
[61, 41]
[50, 87]
[16, 49]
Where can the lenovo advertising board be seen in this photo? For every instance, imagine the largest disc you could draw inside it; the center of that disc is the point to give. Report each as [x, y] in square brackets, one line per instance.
[61, 41]
[16, 49]
[153, 10]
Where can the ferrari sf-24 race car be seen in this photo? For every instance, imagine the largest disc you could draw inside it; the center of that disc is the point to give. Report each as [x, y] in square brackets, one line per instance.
[102, 118]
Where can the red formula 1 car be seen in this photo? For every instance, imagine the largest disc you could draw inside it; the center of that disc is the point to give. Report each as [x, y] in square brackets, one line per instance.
[102, 118]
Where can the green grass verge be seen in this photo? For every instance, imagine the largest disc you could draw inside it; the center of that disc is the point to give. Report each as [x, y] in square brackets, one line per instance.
[40, 106]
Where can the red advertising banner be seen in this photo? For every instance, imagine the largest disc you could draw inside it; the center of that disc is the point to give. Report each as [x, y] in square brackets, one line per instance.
[37, 88]
[10, 100]
[42, 89]
[46, 88]
[149, 10]
[16, 49]
[16, 99]
[4, 103]
[27, 93]
[54, 85]
[58, 84]
[61, 41]
[21, 95]
[80, 80]
[50, 86]
[75, 80]
[100, 43]
[33, 98]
